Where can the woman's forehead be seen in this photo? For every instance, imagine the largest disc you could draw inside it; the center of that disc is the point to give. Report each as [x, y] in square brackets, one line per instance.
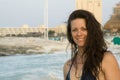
[79, 21]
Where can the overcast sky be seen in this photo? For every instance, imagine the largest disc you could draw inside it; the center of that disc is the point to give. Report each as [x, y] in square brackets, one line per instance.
[15, 13]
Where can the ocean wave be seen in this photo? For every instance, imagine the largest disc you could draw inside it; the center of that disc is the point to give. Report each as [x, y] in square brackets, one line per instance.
[38, 77]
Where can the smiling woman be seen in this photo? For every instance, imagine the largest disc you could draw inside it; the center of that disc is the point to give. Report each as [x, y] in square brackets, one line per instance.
[90, 58]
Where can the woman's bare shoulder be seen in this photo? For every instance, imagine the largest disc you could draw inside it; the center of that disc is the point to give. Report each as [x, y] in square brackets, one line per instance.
[67, 64]
[110, 67]
[109, 59]
[66, 68]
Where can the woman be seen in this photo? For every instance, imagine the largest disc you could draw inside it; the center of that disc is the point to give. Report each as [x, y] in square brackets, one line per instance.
[90, 59]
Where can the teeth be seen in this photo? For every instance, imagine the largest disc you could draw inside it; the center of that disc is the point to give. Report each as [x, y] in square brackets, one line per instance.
[80, 39]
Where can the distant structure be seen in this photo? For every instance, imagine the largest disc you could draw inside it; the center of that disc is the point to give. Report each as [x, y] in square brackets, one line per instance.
[113, 24]
[23, 30]
[61, 29]
[94, 6]
[27, 30]
[46, 19]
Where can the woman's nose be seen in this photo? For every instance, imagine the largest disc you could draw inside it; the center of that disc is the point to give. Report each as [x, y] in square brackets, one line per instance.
[79, 32]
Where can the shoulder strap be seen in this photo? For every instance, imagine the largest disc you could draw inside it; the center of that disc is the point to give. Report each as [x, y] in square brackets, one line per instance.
[68, 75]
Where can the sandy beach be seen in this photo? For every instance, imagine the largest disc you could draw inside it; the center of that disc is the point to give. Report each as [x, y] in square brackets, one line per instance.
[29, 45]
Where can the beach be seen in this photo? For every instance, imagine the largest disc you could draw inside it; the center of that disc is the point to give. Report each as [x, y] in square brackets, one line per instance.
[30, 45]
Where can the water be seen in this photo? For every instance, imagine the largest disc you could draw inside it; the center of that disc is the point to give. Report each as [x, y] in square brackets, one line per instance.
[35, 67]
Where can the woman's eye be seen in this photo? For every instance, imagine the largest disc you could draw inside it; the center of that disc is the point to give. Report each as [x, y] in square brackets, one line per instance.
[84, 28]
[74, 30]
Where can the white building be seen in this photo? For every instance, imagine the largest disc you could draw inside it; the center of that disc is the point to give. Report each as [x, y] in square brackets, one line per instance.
[26, 29]
[94, 6]
[20, 30]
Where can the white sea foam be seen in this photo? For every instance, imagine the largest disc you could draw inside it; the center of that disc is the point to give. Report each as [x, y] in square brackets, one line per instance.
[30, 77]
[50, 76]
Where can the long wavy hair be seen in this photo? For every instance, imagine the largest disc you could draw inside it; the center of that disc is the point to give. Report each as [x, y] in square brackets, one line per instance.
[94, 47]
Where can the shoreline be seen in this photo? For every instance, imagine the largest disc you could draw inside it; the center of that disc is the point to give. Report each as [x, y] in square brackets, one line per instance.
[29, 45]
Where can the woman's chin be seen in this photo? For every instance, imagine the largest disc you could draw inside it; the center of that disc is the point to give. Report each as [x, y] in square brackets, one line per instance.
[81, 45]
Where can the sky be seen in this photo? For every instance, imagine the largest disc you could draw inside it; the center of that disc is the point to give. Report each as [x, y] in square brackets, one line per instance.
[15, 13]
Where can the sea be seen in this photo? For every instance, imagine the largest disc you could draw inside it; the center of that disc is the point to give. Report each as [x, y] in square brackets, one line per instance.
[33, 67]
[38, 67]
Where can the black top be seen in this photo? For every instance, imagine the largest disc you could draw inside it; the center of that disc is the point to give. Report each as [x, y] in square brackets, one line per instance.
[85, 76]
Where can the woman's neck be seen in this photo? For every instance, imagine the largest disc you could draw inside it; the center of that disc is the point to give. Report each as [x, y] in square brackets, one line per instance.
[80, 51]
[80, 58]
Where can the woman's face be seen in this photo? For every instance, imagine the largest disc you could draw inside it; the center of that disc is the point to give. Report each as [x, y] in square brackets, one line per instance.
[79, 31]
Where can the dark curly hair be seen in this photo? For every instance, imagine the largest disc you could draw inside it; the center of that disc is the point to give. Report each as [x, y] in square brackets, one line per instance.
[95, 46]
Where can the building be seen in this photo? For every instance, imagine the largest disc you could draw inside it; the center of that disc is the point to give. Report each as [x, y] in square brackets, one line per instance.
[25, 29]
[20, 30]
[113, 24]
[59, 29]
[94, 6]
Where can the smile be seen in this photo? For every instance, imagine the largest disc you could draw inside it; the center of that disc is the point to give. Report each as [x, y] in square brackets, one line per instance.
[80, 39]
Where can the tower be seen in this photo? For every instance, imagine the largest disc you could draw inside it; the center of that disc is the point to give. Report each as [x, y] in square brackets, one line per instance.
[94, 6]
[46, 19]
